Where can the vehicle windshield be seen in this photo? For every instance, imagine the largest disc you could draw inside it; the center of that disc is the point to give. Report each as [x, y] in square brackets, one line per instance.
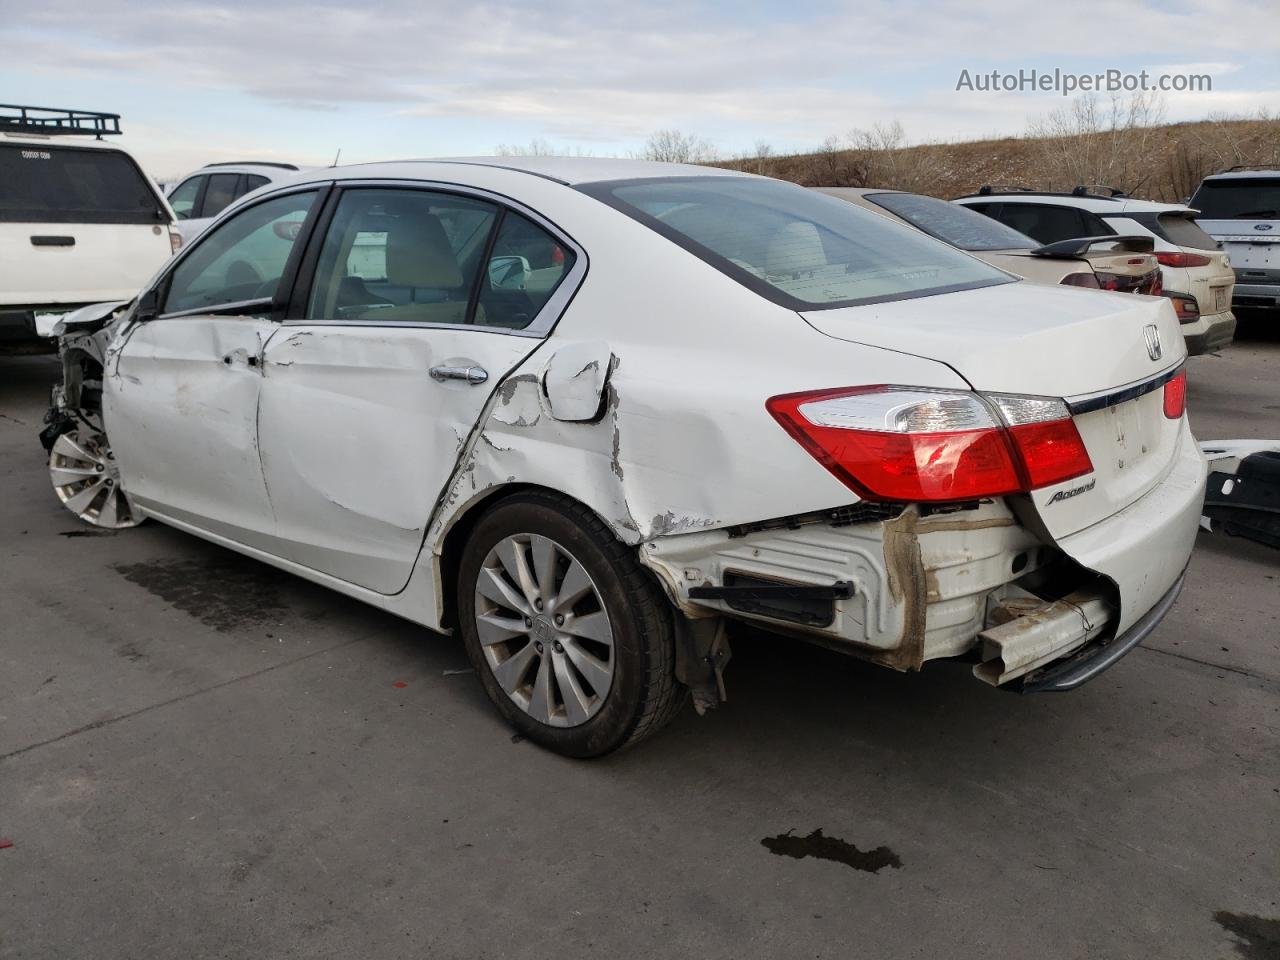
[794, 246]
[957, 225]
[1243, 199]
[54, 184]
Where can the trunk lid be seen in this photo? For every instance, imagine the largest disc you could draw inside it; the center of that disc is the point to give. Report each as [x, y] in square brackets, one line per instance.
[1081, 345]
[1253, 246]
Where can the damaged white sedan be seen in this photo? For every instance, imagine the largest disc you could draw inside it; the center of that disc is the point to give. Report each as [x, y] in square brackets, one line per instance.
[585, 411]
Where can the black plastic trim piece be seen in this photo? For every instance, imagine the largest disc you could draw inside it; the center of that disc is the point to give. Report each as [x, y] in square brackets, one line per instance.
[840, 590]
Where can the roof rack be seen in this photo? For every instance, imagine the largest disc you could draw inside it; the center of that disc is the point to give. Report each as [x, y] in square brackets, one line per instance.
[1090, 190]
[252, 163]
[54, 121]
[987, 189]
[1251, 166]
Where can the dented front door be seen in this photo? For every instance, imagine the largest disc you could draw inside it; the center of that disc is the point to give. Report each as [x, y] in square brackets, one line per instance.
[359, 437]
[186, 391]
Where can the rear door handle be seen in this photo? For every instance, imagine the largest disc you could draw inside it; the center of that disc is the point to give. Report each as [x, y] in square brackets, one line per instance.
[472, 374]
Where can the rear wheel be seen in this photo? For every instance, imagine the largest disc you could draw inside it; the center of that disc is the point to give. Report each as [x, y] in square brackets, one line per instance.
[572, 640]
[85, 478]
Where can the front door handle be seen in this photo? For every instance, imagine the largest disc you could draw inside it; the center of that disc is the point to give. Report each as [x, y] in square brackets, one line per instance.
[472, 374]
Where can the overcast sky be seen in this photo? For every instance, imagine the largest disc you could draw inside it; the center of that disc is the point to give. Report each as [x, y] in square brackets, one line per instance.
[277, 79]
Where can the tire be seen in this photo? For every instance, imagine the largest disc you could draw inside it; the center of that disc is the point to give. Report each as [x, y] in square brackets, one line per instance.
[580, 713]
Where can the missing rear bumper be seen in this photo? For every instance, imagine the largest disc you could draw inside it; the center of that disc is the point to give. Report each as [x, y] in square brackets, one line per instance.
[1093, 658]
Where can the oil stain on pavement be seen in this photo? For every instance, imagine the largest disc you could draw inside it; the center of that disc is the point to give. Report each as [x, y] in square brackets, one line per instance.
[221, 592]
[1256, 938]
[831, 848]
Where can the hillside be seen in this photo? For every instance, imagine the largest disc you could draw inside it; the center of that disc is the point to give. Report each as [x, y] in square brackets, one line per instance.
[1162, 162]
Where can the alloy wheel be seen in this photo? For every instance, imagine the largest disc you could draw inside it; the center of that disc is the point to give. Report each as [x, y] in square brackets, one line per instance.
[544, 630]
[87, 481]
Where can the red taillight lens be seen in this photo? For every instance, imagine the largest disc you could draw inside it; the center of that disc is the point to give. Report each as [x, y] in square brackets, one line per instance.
[1108, 281]
[1080, 280]
[1051, 452]
[1156, 286]
[1178, 258]
[1185, 307]
[912, 444]
[1175, 396]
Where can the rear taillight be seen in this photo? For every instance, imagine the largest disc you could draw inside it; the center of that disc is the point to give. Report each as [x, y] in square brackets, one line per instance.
[1178, 258]
[1156, 285]
[1108, 281]
[1187, 309]
[1175, 396]
[1080, 280]
[175, 240]
[915, 444]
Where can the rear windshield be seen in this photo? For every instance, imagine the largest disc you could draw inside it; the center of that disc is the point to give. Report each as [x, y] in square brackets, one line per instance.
[1252, 198]
[957, 225]
[794, 246]
[1185, 232]
[55, 184]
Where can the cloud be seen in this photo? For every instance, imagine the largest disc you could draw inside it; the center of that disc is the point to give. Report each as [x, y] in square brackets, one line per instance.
[608, 72]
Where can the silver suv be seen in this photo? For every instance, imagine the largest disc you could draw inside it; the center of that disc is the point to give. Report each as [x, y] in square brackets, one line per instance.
[1241, 210]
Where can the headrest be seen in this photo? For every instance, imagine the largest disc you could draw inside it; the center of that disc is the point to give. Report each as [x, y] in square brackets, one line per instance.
[795, 248]
[418, 252]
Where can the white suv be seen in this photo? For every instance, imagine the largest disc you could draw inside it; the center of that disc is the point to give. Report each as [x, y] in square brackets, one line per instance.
[1197, 273]
[199, 197]
[1241, 209]
[79, 221]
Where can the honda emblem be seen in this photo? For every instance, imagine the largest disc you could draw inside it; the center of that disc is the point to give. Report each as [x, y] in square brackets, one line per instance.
[1152, 336]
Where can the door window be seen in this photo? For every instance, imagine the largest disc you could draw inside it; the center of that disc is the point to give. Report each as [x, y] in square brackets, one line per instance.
[1042, 222]
[250, 183]
[242, 259]
[221, 191]
[401, 255]
[184, 197]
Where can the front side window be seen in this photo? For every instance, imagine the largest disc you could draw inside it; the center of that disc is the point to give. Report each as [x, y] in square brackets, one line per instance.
[402, 256]
[957, 225]
[184, 197]
[793, 246]
[242, 259]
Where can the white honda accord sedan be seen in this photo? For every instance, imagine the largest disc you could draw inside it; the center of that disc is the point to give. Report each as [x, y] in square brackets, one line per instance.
[584, 412]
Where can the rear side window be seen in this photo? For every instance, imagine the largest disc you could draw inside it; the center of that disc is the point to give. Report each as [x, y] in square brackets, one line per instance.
[219, 194]
[524, 269]
[252, 182]
[1246, 198]
[55, 184]
[401, 256]
[794, 246]
[1044, 222]
[957, 225]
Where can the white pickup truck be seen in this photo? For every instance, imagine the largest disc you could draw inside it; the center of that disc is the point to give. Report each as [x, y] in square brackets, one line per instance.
[80, 222]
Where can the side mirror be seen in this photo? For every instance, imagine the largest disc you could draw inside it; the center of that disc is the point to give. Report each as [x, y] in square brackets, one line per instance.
[148, 306]
[508, 273]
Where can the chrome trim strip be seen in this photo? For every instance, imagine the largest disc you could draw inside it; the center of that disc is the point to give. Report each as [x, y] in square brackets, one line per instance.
[1087, 403]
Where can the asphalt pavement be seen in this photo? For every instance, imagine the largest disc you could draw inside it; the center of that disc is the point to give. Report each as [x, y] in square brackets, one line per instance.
[203, 757]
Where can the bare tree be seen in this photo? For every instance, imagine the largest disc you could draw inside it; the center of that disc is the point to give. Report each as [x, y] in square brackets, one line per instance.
[1091, 142]
[888, 160]
[672, 146]
[537, 147]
